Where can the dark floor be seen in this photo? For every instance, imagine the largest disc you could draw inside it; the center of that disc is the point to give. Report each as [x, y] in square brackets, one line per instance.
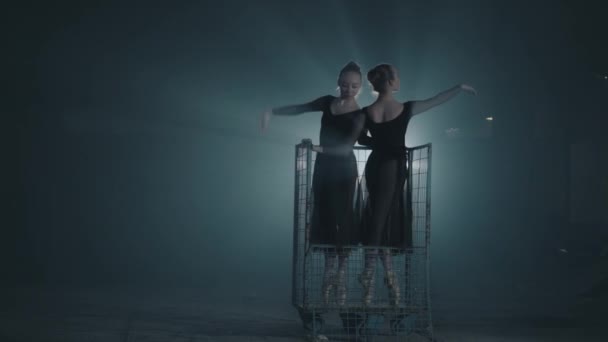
[195, 315]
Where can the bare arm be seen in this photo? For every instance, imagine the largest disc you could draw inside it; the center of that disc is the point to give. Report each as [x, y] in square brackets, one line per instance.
[364, 139]
[312, 106]
[422, 106]
[347, 147]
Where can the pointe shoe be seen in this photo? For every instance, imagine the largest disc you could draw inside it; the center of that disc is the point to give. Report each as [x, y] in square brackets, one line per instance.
[367, 282]
[341, 290]
[326, 291]
[329, 284]
[392, 283]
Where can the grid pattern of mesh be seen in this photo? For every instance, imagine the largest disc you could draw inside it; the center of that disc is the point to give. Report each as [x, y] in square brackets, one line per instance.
[329, 290]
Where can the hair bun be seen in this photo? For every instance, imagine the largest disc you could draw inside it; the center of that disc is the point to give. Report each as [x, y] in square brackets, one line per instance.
[351, 67]
[379, 75]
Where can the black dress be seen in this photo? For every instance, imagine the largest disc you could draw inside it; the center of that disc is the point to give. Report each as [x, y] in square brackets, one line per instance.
[387, 220]
[335, 176]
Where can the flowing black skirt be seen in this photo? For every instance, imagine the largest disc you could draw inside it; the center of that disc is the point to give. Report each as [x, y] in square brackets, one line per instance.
[334, 186]
[387, 216]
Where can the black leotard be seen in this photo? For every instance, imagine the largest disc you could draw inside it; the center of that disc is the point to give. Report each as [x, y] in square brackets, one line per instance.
[335, 176]
[387, 219]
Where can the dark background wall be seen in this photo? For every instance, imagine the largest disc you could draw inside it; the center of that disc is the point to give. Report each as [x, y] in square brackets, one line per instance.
[131, 152]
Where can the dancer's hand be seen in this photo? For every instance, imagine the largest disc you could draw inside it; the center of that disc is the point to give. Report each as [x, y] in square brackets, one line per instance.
[317, 148]
[264, 120]
[468, 88]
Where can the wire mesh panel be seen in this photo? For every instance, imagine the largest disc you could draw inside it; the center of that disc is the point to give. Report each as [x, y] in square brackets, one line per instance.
[302, 204]
[329, 288]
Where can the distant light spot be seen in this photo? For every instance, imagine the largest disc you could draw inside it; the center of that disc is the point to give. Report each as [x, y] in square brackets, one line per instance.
[452, 132]
[563, 250]
[489, 118]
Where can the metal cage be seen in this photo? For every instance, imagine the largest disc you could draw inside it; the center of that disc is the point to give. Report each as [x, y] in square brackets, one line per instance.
[352, 319]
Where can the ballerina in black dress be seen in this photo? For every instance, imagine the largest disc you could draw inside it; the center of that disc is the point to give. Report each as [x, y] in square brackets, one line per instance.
[387, 220]
[335, 175]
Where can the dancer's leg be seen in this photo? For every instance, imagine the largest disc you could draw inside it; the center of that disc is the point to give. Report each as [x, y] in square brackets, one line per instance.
[391, 279]
[341, 278]
[329, 274]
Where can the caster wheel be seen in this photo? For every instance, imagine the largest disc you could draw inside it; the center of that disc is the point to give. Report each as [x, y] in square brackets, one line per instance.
[314, 325]
[318, 338]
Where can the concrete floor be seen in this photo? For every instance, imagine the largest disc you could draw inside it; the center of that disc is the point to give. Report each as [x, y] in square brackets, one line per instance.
[191, 315]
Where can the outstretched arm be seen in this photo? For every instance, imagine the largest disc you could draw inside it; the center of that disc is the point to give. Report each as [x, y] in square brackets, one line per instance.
[312, 106]
[347, 147]
[422, 106]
